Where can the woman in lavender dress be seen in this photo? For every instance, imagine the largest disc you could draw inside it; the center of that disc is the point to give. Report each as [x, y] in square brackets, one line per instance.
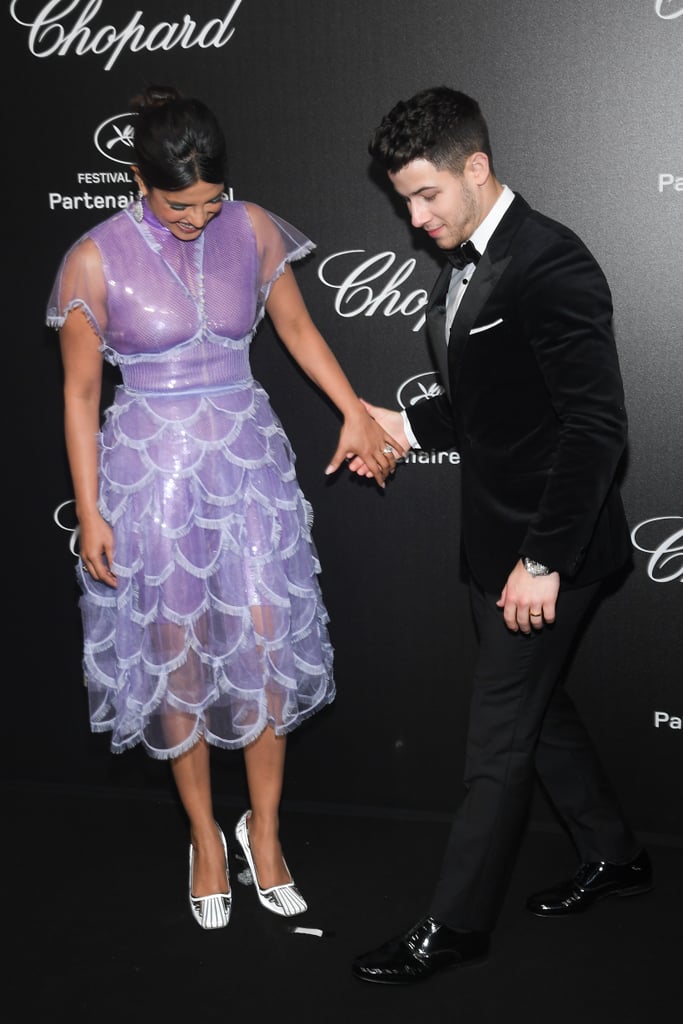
[202, 615]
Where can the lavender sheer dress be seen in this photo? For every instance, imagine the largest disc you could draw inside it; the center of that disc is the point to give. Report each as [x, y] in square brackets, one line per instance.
[217, 627]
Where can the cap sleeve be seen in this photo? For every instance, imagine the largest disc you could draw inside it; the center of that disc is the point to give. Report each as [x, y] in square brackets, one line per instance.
[79, 284]
[278, 243]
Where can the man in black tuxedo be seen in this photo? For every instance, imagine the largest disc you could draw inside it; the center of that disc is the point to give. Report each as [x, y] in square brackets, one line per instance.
[520, 328]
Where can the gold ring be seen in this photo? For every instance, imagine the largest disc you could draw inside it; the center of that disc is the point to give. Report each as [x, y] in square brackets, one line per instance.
[535, 615]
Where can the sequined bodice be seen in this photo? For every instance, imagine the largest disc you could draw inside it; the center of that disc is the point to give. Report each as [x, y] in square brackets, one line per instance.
[180, 315]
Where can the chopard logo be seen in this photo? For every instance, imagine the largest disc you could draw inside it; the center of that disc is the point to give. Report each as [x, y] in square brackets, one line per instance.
[65, 517]
[51, 36]
[662, 539]
[360, 292]
[668, 9]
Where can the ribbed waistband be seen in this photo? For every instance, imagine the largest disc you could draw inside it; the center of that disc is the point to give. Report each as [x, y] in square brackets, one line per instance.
[198, 369]
[199, 389]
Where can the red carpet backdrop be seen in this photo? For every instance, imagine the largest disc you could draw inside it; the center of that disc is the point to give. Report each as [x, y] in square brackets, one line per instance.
[584, 104]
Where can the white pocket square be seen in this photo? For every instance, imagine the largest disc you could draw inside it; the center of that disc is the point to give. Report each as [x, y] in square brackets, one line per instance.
[487, 327]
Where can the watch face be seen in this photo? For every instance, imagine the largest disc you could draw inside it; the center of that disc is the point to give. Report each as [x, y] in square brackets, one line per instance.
[536, 568]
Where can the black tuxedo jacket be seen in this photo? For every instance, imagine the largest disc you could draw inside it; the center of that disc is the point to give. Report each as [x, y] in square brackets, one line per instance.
[534, 402]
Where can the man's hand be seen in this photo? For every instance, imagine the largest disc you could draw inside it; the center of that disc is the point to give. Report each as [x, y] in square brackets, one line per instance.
[528, 601]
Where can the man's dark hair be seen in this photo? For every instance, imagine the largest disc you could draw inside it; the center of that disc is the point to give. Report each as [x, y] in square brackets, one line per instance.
[440, 124]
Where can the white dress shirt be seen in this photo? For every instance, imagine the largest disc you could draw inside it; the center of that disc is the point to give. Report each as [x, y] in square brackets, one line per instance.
[461, 278]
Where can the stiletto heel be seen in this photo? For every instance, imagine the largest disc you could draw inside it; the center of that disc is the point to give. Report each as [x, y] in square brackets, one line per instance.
[211, 911]
[285, 900]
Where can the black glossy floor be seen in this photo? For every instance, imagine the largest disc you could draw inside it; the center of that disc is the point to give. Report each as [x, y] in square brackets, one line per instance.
[99, 929]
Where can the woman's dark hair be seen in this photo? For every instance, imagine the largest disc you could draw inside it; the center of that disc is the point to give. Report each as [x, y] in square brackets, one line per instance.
[440, 124]
[178, 141]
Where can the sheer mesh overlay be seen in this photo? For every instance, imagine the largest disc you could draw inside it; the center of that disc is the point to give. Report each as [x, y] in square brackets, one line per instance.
[217, 627]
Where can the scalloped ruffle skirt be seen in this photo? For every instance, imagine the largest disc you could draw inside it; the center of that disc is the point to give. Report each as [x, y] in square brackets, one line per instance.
[217, 627]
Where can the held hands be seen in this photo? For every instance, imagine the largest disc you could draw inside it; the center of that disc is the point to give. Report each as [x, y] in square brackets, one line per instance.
[367, 443]
[97, 550]
[528, 601]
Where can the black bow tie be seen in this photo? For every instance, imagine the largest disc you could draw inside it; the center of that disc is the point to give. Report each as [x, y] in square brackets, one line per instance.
[464, 254]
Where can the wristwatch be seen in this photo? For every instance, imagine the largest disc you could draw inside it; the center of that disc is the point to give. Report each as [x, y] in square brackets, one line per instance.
[536, 568]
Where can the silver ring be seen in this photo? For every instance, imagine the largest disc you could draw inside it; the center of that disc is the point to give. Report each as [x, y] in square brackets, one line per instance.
[387, 450]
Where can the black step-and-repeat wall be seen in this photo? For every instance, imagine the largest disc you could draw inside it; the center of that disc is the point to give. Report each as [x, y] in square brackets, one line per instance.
[584, 103]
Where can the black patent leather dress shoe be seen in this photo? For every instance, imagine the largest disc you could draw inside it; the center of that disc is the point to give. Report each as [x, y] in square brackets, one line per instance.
[426, 948]
[593, 882]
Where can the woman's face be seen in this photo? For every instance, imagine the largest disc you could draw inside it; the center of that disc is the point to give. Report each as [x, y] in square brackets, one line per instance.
[186, 212]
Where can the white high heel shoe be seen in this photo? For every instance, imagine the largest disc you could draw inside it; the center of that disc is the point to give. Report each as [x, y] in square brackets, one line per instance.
[211, 911]
[285, 900]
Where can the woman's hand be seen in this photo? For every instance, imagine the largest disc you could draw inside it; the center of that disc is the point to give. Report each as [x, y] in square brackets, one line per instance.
[96, 541]
[371, 441]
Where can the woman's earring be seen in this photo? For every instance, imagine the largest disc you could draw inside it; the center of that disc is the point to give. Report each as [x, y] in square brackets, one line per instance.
[137, 211]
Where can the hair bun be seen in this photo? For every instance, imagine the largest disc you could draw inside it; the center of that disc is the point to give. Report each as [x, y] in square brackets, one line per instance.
[153, 97]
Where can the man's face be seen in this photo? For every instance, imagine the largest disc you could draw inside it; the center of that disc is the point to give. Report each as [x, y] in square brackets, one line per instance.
[443, 204]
